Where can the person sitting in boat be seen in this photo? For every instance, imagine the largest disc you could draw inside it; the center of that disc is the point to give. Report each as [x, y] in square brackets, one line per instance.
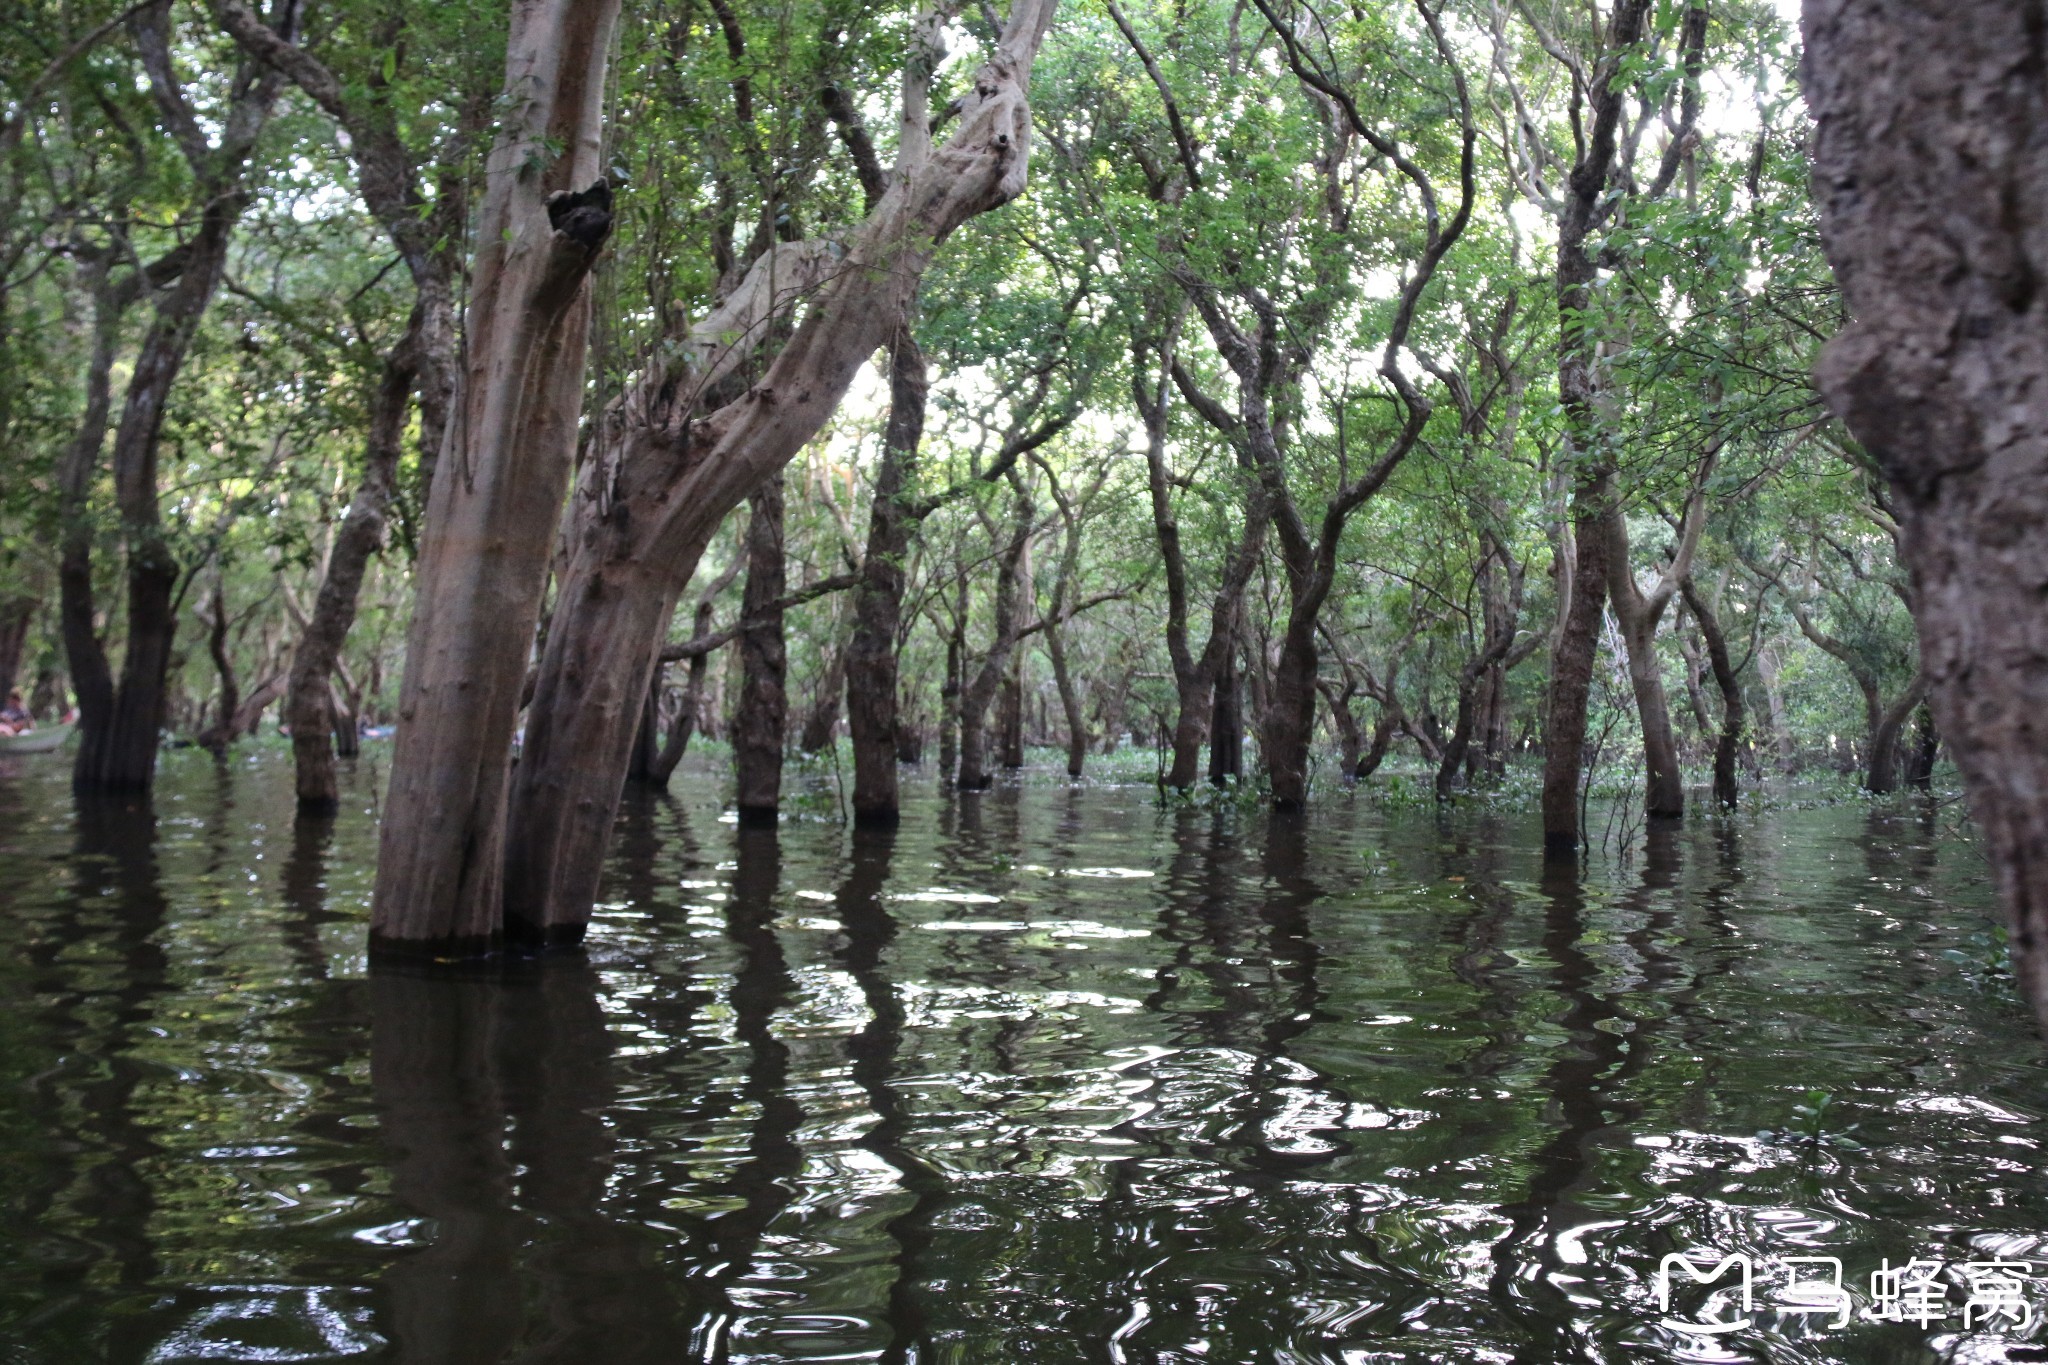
[14, 716]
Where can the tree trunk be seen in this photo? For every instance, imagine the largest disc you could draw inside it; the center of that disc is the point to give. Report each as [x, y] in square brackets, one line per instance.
[491, 520]
[308, 707]
[1290, 712]
[1350, 739]
[761, 718]
[1571, 662]
[979, 692]
[871, 655]
[821, 725]
[647, 741]
[1382, 740]
[1226, 724]
[1070, 695]
[1664, 790]
[1010, 714]
[1882, 778]
[951, 690]
[1728, 743]
[1593, 501]
[689, 713]
[694, 435]
[1920, 771]
[219, 735]
[1928, 169]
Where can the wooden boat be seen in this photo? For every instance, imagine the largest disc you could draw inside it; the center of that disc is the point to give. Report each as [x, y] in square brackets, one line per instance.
[37, 741]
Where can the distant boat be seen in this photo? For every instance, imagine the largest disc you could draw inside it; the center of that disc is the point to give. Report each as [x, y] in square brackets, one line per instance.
[36, 741]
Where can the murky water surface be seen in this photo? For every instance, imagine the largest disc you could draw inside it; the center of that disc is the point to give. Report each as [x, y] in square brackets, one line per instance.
[1049, 1074]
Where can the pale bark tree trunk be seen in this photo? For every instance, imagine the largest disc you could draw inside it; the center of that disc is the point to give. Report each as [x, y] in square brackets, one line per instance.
[672, 471]
[491, 518]
[761, 718]
[1931, 171]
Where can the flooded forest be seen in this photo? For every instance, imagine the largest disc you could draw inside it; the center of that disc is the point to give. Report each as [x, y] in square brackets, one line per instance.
[937, 683]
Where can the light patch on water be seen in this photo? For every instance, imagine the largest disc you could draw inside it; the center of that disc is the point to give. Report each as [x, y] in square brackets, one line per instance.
[271, 1322]
[941, 896]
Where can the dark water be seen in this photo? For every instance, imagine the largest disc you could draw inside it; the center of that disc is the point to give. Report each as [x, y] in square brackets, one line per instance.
[1049, 1075]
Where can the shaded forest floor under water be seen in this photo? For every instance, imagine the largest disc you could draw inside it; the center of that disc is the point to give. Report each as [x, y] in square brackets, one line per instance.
[1051, 1073]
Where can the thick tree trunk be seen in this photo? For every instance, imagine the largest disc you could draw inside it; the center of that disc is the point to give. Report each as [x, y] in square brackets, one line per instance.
[1382, 740]
[1728, 743]
[871, 655]
[1571, 667]
[674, 469]
[308, 708]
[1931, 171]
[491, 520]
[760, 720]
[1290, 712]
[1010, 715]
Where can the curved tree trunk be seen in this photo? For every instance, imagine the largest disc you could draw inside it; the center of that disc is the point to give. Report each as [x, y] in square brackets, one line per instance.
[308, 708]
[761, 718]
[694, 435]
[491, 521]
[119, 736]
[1728, 743]
[689, 711]
[1882, 776]
[980, 691]
[1928, 167]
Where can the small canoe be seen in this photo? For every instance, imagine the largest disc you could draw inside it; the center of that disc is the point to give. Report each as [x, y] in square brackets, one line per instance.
[36, 741]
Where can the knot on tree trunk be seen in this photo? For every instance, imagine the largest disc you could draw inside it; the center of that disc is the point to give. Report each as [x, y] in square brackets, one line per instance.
[583, 216]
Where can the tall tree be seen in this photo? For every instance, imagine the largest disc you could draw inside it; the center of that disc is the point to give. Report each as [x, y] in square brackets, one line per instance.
[121, 723]
[546, 213]
[685, 448]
